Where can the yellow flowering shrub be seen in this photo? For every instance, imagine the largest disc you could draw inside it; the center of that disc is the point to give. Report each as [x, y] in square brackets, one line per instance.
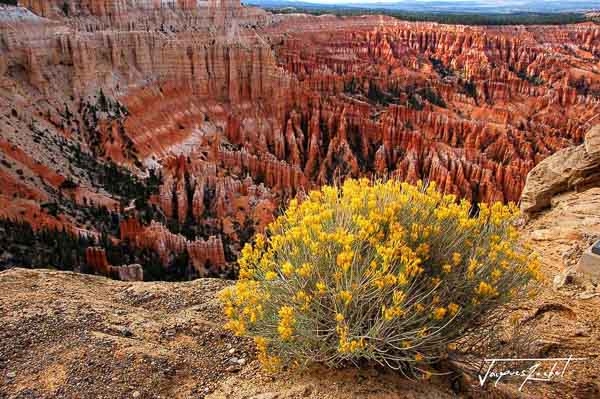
[384, 272]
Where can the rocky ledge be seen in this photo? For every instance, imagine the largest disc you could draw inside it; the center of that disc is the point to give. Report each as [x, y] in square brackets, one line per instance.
[574, 168]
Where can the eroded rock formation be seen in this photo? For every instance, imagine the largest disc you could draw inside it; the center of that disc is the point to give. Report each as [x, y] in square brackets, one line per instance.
[207, 256]
[238, 111]
[95, 258]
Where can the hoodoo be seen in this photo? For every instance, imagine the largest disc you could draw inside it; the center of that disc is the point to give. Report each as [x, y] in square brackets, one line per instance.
[201, 120]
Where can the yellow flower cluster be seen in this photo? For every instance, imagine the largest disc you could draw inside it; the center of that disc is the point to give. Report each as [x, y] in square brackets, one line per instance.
[270, 363]
[453, 308]
[345, 296]
[345, 344]
[305, 270]
[243, 305]
[321, 287]
[439, 313]
[287, 269]
[412, 261]
[484, 289]
[344, 260]
[390, 313]
[286, 322]
[303, 299]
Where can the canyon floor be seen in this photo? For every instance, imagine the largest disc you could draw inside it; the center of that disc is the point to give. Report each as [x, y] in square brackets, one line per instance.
[77, 336]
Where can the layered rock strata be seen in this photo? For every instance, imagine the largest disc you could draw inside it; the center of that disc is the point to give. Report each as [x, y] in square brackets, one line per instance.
[238, 110]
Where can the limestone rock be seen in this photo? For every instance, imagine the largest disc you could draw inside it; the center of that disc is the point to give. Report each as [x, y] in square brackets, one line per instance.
[570, 169]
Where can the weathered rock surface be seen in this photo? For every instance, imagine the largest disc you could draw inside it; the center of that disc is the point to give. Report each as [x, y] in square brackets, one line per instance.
[567, 299]
[108, 338]
[564, 188]
[570, 169]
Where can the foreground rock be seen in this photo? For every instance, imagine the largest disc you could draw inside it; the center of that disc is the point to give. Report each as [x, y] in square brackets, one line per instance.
[573, 168]
[78, 336]
[563, 316]
[70, 335]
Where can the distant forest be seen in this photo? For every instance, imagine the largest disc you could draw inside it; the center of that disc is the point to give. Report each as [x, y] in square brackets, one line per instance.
[522, 18]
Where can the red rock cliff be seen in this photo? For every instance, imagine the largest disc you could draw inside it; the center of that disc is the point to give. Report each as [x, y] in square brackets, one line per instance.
[240, 110]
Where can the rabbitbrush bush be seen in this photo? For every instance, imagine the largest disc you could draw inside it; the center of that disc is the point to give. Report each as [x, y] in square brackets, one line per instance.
[383, 272]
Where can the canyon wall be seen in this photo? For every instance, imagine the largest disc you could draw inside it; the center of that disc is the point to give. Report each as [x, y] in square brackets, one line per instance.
[238, 111]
